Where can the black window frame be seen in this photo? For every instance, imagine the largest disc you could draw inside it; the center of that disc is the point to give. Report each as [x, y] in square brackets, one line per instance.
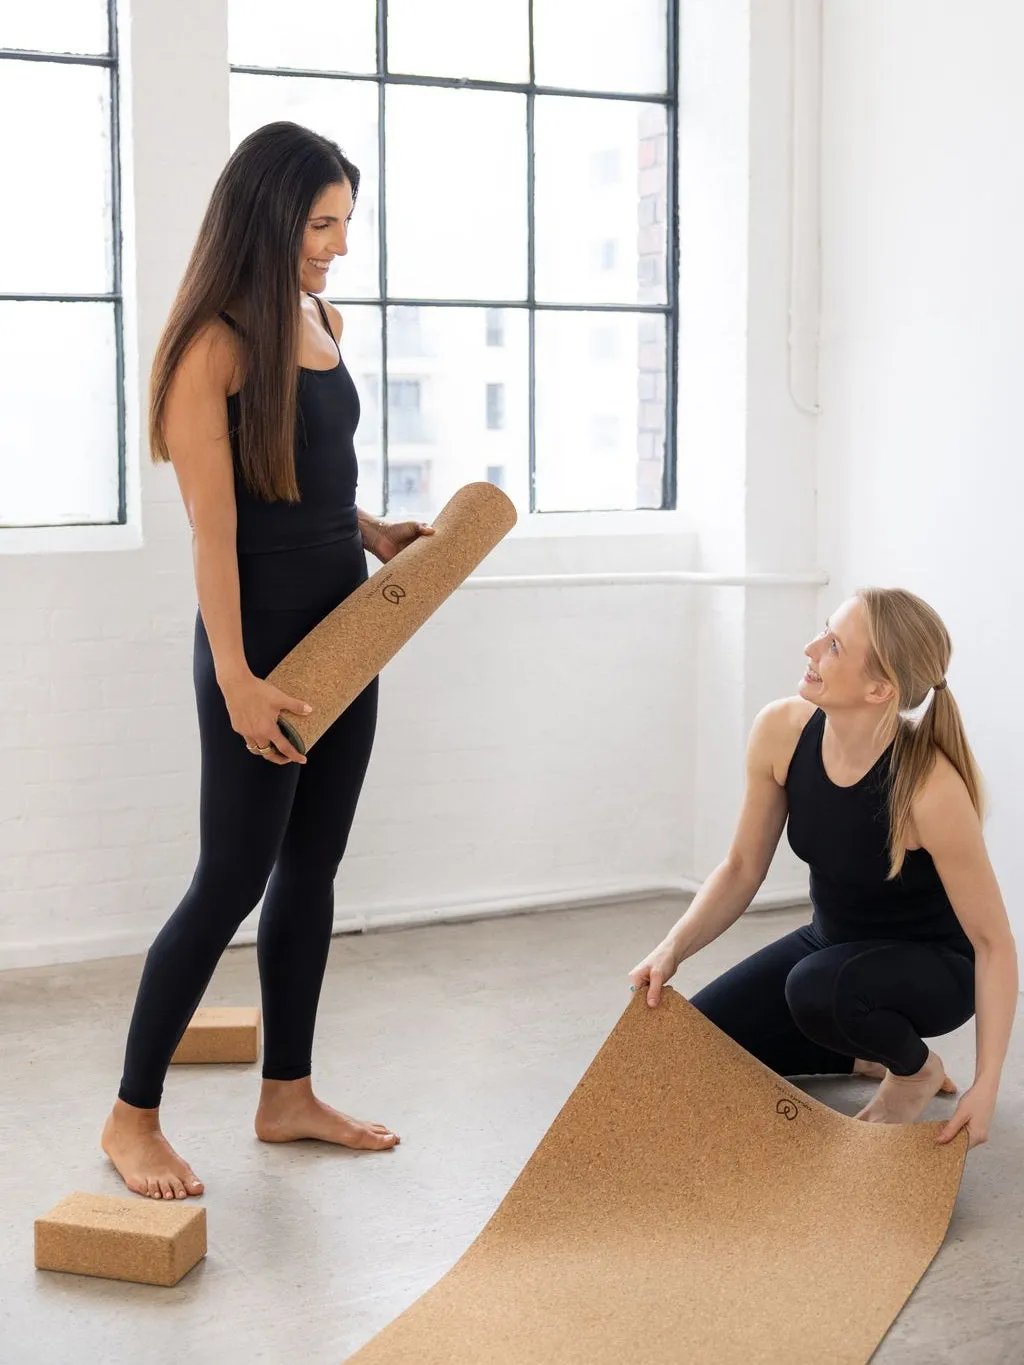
[110, 59]
[669, 310]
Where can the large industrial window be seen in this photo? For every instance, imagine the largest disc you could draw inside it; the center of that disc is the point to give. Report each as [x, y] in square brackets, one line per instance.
[514, 234]
[62, 451]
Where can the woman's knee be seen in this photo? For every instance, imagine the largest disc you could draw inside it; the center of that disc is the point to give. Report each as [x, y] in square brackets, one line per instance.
[810, 993]
[223, 895]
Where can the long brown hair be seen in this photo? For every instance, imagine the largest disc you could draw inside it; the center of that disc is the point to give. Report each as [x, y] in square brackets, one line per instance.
[910, 648]
[247, 256]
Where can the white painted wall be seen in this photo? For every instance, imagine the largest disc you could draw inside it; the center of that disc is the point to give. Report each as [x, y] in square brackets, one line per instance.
[537, 744]
[921, 476]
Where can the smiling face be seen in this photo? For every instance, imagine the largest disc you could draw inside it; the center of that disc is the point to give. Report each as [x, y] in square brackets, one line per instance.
[325, 237]
[837, 676]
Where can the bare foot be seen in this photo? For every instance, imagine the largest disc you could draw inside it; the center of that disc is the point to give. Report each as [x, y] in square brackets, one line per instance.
[876, 1072]
[288, 1110]
[145, 1160]
[903, 1099]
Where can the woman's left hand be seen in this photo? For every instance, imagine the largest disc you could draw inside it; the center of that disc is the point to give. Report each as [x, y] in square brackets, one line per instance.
[391, 537]
[974, 1112]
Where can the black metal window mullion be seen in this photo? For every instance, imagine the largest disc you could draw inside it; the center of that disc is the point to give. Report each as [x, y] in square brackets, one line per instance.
[110, 60]
[670, 472]
[382, 252]
[668, 99]
[116, 249]
[531, 270]
[452, 83]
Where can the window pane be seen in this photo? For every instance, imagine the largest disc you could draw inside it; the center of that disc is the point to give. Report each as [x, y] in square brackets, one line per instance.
[447, 38]
[601, 213]
[60, 460]
[495, 326]
[360, 349]
[456, 219]
[60, 166]
[78, 26]
[585, 45]
[442, 398]
[600, 411]
[345, 112]
[495, 407]
[341, 36]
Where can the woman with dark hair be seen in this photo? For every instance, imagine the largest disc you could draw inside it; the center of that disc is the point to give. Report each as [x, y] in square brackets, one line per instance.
[871, 768]
[253, 406]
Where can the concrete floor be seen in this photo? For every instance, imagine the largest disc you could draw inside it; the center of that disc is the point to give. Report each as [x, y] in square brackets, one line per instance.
[467, 1039]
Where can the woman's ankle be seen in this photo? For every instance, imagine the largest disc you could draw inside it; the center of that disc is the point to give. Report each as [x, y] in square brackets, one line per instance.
[286, 1092]
[127, 1114]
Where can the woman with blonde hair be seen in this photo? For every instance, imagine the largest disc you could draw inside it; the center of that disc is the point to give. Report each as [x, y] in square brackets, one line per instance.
[871, 769]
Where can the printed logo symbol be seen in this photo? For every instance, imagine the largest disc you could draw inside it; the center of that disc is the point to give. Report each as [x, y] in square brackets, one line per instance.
[787, 1109]
[393, 593]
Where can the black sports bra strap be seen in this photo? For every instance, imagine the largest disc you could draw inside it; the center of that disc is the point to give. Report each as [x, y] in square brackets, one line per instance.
[325, 320]
[226, 317]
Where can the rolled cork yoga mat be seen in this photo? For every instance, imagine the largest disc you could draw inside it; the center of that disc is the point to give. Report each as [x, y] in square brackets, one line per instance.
[687, 1204]
[340, 656]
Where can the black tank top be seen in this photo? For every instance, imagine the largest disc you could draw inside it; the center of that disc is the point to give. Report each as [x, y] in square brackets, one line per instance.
[842, 833]
[325, 465]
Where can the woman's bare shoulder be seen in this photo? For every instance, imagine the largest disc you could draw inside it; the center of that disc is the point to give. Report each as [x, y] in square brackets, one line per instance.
[211, 360]
[335, 319]
[777, 730]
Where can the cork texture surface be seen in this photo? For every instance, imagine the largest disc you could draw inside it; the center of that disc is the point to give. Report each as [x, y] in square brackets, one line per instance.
[143, 1240]
[223, 1033]
[349, 647]
[687, 1204]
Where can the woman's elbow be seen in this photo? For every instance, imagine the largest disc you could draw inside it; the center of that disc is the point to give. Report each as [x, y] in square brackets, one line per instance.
[994, 944]
[744, 870]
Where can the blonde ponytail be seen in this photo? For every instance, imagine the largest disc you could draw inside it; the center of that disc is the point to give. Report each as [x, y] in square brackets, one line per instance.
[910, 648]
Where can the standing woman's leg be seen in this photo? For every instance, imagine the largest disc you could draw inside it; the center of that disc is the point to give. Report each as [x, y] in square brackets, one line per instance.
[244, 808]
[295, 933]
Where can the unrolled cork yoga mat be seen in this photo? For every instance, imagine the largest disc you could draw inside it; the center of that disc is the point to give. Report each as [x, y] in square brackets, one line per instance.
[349, 647]
[689, 1205]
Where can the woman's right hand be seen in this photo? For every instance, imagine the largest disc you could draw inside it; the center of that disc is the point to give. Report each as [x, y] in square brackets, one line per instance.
[656, 968]
[254, 706]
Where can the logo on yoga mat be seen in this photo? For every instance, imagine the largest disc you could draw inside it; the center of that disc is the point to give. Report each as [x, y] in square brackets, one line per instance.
[393, 593]
[787, 1109]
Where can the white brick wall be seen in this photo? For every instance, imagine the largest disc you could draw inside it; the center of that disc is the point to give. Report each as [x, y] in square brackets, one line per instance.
[531, 741]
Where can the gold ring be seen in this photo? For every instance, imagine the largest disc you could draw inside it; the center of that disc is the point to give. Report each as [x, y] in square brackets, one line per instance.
[262, 748]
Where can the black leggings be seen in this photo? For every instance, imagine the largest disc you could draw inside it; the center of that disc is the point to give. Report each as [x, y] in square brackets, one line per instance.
[260, 823]
[806, 1008]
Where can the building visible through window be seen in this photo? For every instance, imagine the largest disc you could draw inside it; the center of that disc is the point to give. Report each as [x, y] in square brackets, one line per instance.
[495, 327]
[606, 254]
[59, 84]
[605, 431]
[606, 167]
[604, 343]
[541, 276]
[405, 417]
[495, 407]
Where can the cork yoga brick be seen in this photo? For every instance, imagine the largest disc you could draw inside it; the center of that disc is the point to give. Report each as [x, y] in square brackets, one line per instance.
[121, 1239]
[687, 1204]
[221, 1034]
[340, 656]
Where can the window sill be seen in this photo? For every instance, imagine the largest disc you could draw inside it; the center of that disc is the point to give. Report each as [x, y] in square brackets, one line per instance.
[51, 540]
[569, 525]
